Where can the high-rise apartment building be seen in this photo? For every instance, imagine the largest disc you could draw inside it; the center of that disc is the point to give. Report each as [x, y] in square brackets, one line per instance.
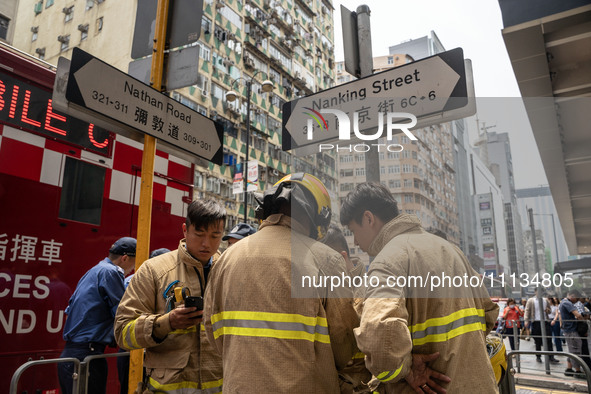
[287, 41]
[489, 232]
[495, 150]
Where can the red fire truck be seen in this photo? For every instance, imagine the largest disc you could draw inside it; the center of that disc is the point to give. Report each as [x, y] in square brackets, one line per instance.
[68, 190]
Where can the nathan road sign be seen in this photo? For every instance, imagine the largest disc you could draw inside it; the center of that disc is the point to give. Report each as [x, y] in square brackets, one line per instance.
[425, 88]
[99, 87]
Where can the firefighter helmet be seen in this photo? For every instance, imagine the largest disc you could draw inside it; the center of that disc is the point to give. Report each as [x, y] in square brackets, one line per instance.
[308, 196]
[497, 355]
[315, 187]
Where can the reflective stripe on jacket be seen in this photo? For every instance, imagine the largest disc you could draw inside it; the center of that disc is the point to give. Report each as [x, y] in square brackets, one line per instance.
[184, 362]
[394, 324]
[444, 328]
[270, 325]
[277, 342]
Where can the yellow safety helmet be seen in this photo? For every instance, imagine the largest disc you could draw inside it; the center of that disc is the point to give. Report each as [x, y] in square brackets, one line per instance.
[317, 190]
[497, 355]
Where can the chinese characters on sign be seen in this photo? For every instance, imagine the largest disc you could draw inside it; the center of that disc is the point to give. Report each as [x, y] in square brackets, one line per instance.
[27, 248]
[253, 178]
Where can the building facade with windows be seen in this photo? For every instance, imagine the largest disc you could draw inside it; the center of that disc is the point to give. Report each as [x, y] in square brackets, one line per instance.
[495, 149]
[287, 41]
[490, 232]
[8, 10]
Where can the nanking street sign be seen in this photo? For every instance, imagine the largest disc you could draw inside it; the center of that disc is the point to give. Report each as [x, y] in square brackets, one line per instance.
[99, 87]
[392, 99]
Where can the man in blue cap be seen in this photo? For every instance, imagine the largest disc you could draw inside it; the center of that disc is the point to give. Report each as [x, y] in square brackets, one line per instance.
[241, 230]
[91, 313]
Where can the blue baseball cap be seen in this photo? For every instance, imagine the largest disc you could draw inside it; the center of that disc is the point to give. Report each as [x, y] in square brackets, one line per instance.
[240, 231]
[158, 252]
[124, 246]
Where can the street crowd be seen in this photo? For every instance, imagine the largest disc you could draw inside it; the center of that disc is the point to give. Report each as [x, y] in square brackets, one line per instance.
[236, 321]
[565, 321]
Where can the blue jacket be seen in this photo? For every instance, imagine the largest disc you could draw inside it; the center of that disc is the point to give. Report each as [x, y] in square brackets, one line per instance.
[92, 307]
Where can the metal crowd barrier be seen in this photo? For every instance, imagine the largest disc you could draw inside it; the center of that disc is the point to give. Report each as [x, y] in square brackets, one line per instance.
[511, 370]
[80, 370]
[549, 337]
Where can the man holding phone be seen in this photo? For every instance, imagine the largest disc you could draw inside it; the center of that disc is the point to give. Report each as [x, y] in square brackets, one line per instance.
[154, 313]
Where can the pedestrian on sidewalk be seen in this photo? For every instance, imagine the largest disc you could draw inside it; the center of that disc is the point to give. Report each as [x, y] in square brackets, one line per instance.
[533, 320]
[570, 319]
[524, 330]
[512, 314]
[583, 330]
[555, 322]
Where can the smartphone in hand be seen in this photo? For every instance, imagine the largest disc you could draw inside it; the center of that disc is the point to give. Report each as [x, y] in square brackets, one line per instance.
[195, 301]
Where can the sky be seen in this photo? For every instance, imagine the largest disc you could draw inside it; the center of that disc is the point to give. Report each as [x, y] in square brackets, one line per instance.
[475, 26]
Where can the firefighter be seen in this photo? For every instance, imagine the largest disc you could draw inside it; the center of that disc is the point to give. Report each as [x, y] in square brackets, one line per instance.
[412, 336]
[152, 313]
[275, 337]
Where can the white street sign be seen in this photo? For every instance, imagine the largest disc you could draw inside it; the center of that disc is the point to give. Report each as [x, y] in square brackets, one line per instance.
[424, 88]
[99, 87]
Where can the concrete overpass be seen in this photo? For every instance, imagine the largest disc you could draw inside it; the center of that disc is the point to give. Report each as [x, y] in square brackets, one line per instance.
[549, 44]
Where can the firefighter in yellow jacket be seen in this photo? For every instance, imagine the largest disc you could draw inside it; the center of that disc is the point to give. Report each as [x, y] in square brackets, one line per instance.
[418, 333]
[178, 357]
[274, 336]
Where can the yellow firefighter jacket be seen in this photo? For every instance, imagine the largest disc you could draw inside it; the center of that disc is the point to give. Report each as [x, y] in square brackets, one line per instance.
[184, 362]
[271, 341]
[394, 325]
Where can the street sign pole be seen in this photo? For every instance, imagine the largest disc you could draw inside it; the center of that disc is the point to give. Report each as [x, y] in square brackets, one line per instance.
[372, 157]
[359, 63]
[539, 289]
[144, 223]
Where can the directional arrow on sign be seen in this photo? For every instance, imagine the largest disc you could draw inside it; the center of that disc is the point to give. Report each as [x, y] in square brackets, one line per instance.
[430, 86]
[101, 88]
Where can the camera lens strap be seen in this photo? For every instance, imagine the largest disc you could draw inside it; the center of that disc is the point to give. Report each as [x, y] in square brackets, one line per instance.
[202, 283]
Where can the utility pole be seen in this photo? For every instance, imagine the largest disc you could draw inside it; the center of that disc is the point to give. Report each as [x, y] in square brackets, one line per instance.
[539, 300]
[245, 165]
[136, 358]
